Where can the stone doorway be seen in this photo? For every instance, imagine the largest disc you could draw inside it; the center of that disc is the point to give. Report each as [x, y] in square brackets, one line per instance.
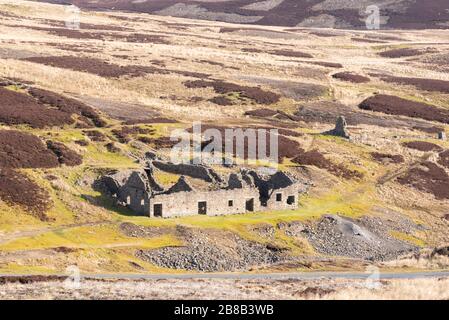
[157, 210]
[250, 205]
[202, 207]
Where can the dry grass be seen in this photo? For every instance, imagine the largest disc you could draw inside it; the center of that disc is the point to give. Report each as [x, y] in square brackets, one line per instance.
[417, 289]
[433, 289]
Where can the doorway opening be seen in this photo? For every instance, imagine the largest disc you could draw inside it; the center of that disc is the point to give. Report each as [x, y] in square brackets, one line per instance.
[250, 205]
[157, 210]
[202, 207]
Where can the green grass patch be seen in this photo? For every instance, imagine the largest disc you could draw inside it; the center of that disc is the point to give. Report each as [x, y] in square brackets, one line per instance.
[16, 268]
[87, 237]
[408, 238]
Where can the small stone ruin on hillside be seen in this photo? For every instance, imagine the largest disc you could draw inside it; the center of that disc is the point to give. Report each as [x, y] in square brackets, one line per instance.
[245, 191]
[340, 129]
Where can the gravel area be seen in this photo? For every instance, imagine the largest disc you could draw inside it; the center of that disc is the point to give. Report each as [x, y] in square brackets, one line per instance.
[213, 251]
[136, 231]
[366, 238]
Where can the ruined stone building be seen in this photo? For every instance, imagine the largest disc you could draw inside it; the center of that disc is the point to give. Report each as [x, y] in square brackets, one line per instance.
[242, 192]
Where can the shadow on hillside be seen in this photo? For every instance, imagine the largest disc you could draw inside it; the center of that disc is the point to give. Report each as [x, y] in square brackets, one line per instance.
[107, 203]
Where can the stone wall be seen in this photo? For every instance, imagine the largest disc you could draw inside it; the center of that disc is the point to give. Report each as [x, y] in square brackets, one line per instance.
[190, 170]
[186, 203]
[217, 202]
[130, 188]
[279, 199]
[135, 199]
